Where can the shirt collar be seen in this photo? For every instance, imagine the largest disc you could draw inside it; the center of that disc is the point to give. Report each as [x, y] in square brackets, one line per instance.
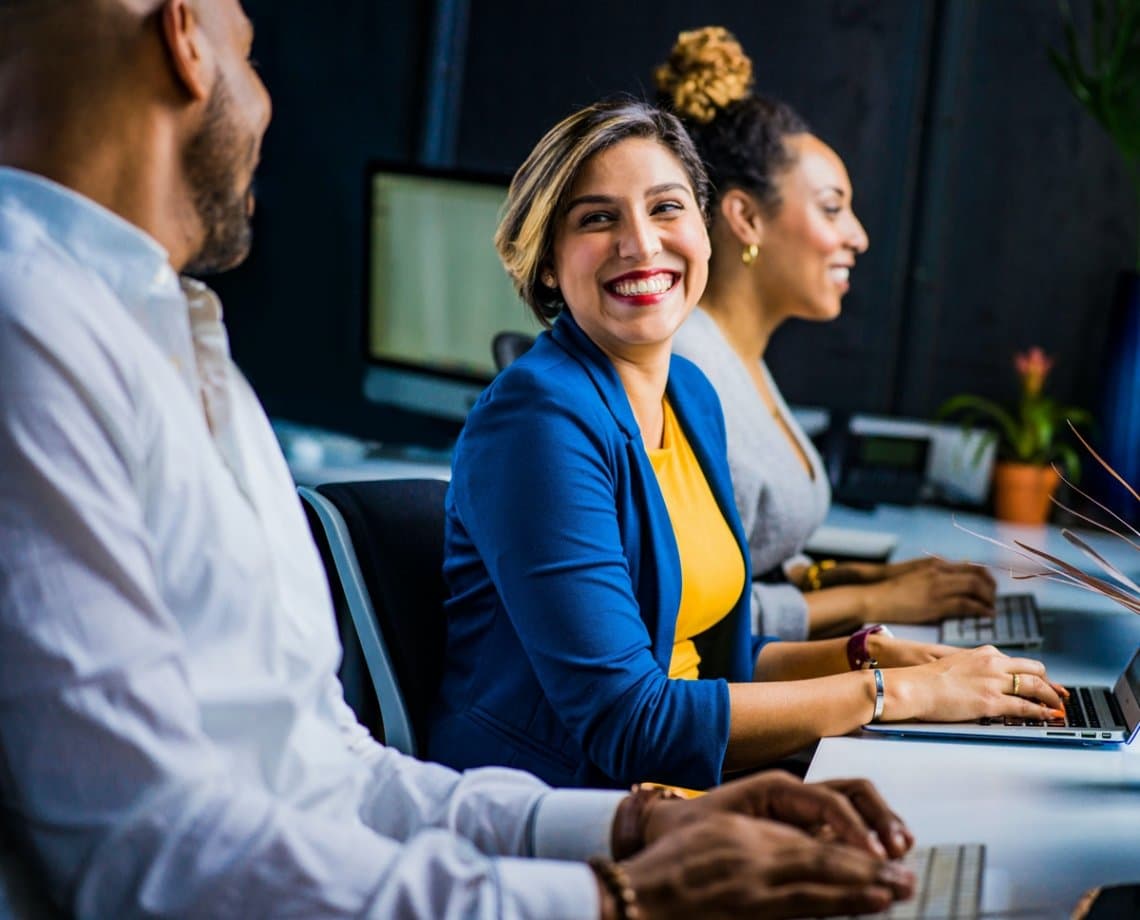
[131, 262]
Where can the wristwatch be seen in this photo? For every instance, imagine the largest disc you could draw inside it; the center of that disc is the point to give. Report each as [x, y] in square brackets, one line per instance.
[858, 657]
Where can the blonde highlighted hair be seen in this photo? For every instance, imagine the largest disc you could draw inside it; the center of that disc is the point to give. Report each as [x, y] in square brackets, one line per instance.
[538, 191]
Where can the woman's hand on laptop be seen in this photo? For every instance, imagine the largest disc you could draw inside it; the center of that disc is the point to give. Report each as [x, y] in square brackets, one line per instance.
[971, 684]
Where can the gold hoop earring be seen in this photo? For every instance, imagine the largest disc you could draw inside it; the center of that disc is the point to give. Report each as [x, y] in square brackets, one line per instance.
[750, 253]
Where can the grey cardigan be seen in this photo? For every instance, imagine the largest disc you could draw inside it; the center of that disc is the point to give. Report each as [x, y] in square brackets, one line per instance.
[779, 504]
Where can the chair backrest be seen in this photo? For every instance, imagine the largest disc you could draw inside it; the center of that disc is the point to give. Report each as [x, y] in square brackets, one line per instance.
[23, 892]
[506, 346]
[386, 542]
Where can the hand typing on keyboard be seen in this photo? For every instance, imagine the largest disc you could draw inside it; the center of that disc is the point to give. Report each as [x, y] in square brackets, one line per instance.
[919, 591]
[771, 846]
[971, 684]
[948, 884]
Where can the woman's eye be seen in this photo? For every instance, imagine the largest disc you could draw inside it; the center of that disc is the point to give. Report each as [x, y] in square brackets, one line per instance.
[832, 210]
[595, 218]
[667, 206]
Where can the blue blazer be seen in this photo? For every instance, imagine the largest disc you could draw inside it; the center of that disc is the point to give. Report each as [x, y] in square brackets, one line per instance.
[565, 581]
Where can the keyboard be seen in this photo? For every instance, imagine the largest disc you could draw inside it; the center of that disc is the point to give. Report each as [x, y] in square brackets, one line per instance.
[1015, 623]
[948, 883]
[1081, 711]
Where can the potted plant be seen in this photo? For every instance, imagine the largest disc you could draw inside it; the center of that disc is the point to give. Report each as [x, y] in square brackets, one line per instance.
[1106, 82]
[1028, 443]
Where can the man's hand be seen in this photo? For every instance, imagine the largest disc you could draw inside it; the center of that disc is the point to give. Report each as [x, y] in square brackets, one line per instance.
[728, 865]
[769, 845]
[850, 811]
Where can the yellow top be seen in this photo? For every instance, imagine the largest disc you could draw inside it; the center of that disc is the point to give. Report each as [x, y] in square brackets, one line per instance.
[712, 568]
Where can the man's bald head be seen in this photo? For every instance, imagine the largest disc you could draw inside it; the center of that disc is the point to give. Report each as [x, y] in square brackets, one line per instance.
[151, 108]
[60, 51]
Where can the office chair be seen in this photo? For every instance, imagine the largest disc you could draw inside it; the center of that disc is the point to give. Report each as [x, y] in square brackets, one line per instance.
[506, 346]
[23, 890]
[385, 541]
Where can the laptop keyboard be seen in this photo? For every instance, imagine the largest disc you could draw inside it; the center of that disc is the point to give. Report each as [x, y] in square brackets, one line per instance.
[1080, 709]
[1080, 712]
[1015, 623]
[948, 883]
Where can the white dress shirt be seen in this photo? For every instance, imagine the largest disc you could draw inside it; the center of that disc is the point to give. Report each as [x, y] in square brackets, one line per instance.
[173, 738]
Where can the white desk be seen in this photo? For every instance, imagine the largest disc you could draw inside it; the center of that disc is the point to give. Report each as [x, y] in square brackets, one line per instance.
[1055, 820]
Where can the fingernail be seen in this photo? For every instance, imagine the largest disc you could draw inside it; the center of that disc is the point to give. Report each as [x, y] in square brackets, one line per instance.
[895, 874]
[879, 899]
[876, 845]
[1056, 713]
[898, 838]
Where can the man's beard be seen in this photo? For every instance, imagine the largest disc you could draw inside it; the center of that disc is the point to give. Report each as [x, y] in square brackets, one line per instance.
[211, 160]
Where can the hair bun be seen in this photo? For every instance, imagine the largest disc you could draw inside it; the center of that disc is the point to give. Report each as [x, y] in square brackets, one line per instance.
[707, 70]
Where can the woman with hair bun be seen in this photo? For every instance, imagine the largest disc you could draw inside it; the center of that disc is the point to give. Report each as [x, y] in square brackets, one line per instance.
[784, 242]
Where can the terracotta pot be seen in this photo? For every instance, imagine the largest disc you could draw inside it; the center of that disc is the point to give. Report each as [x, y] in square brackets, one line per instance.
[1022, 492]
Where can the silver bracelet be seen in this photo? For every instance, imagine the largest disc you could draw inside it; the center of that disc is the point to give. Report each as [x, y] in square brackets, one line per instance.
[880, 692]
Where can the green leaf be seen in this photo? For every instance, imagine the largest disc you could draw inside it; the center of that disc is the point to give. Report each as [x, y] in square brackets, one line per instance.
[1079, 417]
[1070, 460]
[1072, 81]
[1098, 29]
[1109, 88]
[974, 406]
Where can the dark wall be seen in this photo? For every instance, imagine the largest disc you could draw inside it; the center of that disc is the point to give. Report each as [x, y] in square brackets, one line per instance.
[998, 212]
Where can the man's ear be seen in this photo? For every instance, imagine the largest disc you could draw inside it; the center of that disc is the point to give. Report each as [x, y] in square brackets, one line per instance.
[185, 43]
[743, 216]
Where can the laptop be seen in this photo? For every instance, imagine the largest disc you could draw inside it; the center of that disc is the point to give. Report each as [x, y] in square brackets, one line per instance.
[1015, 623]
[1094, 715]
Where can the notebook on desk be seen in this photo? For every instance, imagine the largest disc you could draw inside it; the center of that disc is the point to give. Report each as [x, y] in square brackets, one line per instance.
[847, 544]
[1094, 715]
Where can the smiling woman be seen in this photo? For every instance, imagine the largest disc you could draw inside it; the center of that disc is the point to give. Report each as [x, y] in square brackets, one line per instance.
[598, 613]
[630, 258]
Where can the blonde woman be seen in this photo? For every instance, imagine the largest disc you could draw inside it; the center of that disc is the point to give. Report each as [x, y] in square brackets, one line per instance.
[785, 239]
[599, 630]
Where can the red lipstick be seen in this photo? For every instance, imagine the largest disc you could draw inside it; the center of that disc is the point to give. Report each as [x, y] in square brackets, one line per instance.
[642, 288]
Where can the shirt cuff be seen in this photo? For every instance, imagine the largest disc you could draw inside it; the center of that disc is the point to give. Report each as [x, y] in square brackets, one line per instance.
[780, 610]
[538, 888]
[575, 824]
[797, 560]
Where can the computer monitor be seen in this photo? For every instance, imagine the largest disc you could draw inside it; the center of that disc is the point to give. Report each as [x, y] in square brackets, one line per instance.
[436, 293]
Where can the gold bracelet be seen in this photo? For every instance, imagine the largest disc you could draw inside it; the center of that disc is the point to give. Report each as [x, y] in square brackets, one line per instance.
[811, 578]
[616, 881]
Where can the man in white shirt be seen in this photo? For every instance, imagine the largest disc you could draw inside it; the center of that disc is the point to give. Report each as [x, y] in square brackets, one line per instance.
[173, 738]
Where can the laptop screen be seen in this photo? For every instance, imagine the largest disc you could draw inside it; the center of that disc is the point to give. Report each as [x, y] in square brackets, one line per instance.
[1132, 675]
